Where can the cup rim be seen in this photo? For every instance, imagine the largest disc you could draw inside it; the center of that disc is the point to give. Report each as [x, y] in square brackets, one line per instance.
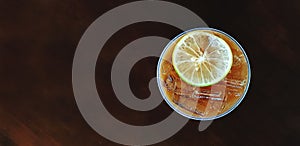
[169, 102]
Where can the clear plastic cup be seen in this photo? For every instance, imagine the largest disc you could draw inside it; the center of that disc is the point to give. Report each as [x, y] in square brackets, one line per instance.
[204, 103]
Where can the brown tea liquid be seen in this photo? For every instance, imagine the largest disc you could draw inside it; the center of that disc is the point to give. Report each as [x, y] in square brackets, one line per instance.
[205, 102]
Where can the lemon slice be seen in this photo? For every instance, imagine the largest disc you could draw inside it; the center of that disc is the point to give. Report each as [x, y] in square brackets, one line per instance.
[201, 58]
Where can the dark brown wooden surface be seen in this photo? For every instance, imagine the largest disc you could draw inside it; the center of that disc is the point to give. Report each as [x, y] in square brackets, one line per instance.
[38, 39]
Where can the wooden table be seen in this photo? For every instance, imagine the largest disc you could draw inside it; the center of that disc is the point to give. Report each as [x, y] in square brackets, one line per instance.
[37, 45]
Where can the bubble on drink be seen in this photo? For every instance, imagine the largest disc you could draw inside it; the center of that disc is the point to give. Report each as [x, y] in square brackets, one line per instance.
[204, 102]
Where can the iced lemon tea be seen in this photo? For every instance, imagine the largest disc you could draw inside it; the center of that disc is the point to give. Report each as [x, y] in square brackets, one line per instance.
[203, 74]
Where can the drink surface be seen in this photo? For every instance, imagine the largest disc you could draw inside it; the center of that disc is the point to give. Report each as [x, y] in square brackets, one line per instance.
[204, 102]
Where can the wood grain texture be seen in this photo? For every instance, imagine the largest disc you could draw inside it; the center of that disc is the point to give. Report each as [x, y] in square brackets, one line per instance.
[38, 39]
